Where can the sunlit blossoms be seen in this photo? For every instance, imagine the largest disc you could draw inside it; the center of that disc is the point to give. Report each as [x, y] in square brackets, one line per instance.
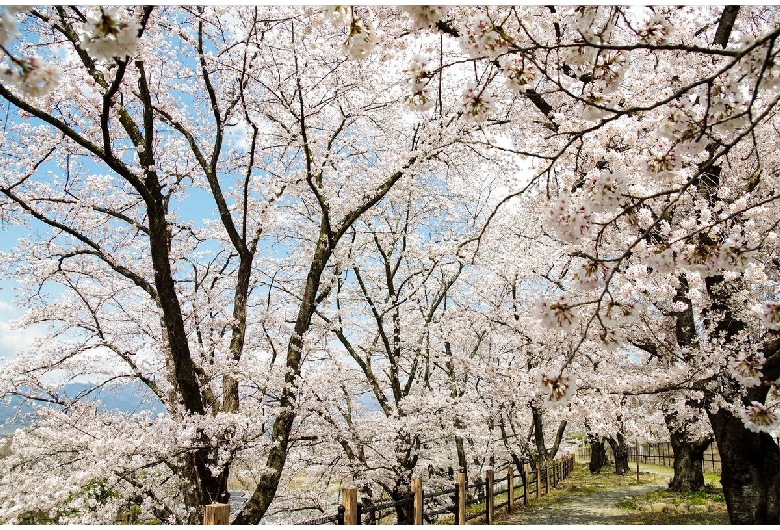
[410, 213]
[31, 75]
[747, 369]
[556, 390]
[107, 35]
[769, 314]
[760, 418]
[361, 40]
[477, 104]
[422, 96]
[483, 37]
[569, 221]
[425, 16]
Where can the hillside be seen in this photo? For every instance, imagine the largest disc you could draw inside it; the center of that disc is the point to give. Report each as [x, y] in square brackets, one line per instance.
[130, 397]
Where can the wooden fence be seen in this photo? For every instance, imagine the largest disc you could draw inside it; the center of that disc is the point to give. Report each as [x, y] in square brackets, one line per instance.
[465, 502]
[659, 454]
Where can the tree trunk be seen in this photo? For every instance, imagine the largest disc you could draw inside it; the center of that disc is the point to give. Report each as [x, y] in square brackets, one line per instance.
[405, 511]
[688, 462]
[750, 462]
[620, 451]
[543, 454]
[750, 471]
[598, 454]
[265, 491]
[368, 501]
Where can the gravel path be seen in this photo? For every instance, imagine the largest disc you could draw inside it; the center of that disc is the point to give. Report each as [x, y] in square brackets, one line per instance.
[590, 508]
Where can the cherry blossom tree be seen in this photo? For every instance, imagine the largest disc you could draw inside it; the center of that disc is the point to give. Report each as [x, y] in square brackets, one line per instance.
[111, 155]
[643, 140]
[651, 134]
[618, 150]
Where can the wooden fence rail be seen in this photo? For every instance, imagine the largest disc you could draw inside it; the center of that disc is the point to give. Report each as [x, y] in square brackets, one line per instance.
[659, 453]
[537, 481]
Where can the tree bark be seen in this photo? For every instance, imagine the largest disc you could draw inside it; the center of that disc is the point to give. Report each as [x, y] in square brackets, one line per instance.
[543, 454]
[750, 461]
[750, 471]
[620, 451]
[725, 25]
[688, 455]
[265, 492]
[404, 512]
[598, 454]
[688, 462]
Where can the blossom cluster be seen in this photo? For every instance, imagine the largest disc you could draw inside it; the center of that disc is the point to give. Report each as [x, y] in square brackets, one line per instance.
[107, 35]
[569, 221]
[477, 103]
[419, 71]
[521, 73]
[556, 390]
[559, 314]
[362, 39]
[747, 369]
[483, 38]
[656, 30]
[425, 16]
[760, 418]
[32, 75]
[8, 29]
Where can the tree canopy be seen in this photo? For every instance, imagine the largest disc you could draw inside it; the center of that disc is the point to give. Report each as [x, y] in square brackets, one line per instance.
[353, 244]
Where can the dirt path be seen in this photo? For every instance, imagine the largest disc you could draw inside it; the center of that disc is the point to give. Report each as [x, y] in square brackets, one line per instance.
[586, 508]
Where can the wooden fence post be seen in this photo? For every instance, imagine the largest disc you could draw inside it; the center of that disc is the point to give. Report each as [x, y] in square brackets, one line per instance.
[510, 479]
[216, 513]
[349, 501]
[547, 481]
[538, 475]
[461, 498]
[712, 456]
[417, 491]
[526, 478]
[489, 496]
[636, 449]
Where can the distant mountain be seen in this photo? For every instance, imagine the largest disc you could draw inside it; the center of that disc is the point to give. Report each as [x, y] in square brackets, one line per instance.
[129, 397]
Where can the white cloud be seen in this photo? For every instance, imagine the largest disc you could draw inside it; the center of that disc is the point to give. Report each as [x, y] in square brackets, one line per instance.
[13, 340]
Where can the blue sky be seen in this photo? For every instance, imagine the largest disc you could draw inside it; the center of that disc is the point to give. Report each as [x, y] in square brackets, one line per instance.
[11, 340]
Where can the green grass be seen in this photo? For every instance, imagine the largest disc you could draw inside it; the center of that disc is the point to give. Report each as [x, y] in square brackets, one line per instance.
[711, 496]
[581, 483]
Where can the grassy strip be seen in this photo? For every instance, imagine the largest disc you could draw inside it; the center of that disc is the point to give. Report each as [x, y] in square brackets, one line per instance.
[582, 483]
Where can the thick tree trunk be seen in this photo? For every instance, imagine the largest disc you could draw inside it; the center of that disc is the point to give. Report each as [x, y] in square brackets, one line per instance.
[688, 461]
[688, 453]
[750, 471]
[543, 454]
[750, 462]
[598, 454]
[404, 511]
[620, 451]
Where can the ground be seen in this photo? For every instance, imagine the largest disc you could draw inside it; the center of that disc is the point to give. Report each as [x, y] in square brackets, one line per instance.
[611, 499]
